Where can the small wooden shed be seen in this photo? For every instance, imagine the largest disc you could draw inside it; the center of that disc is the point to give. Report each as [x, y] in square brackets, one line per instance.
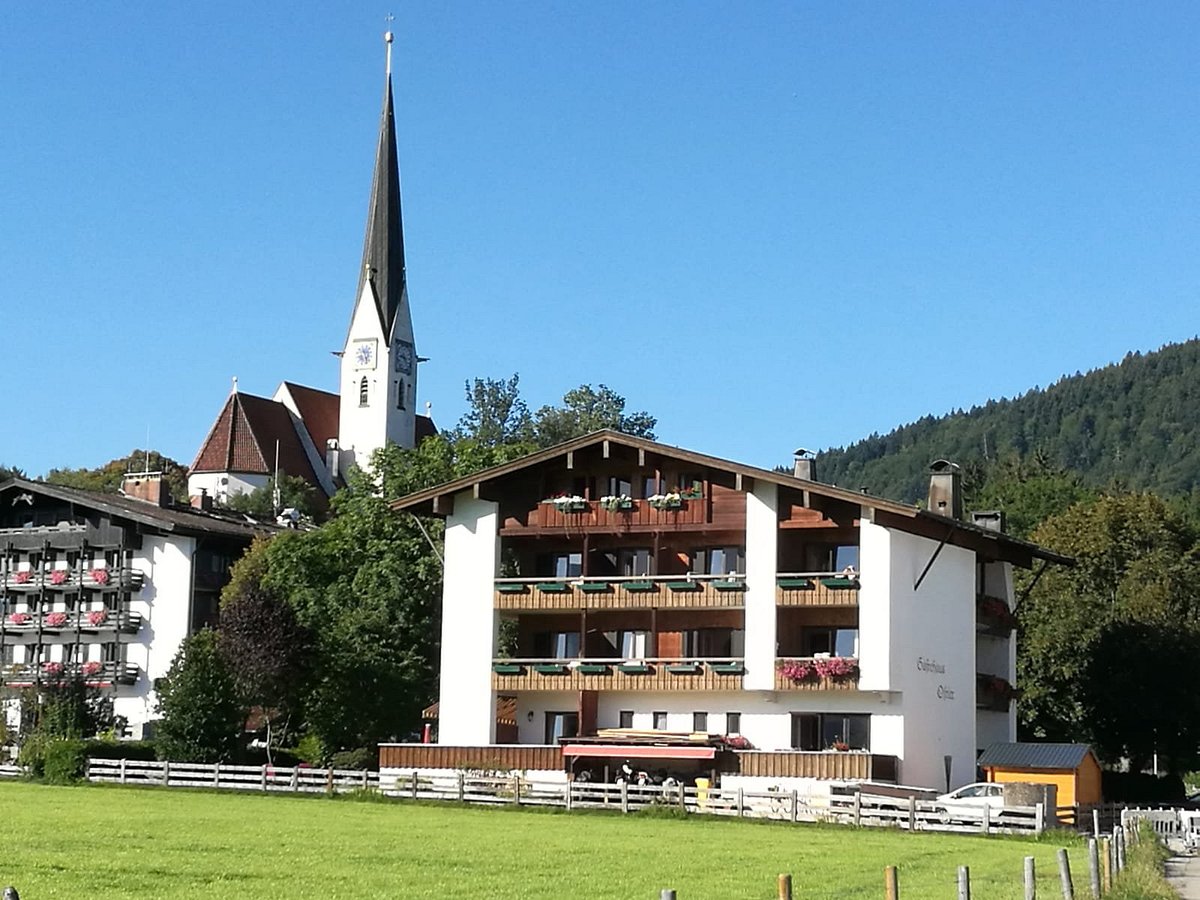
[1072, 768]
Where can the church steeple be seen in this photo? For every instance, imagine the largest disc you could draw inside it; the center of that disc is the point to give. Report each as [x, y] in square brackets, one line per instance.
[383, 245]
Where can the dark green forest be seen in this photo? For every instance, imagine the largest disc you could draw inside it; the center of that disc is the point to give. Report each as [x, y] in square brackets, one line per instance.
[1133, 425]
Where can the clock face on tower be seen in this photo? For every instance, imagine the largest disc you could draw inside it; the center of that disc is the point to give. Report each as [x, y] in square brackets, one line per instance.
[363, 354]
[403, 354]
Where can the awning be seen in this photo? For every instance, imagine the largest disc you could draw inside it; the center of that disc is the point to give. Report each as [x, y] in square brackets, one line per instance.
[636, 751]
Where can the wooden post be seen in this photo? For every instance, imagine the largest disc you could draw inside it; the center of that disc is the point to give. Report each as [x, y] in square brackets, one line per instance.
[624, 796]
[462, 787]
[857, 808]
[891, 883]
[1094, 866]
[366, 779]
[740, 801]
[1105, 865]
[1030, 878]
[412, 785]
[1064, 874]
[329, 780]
[295, 779]
[987, 820]
[122, 771]
[667, 894]
[567, 795]
[964, 881]
[682, 798]
[785, 887]
[166, 773]
[1096, 823]
[517, 790]
[912, 813]
[1120, 848]
[217, 775]
[263, 777]
[795, 806]
[1040, 814]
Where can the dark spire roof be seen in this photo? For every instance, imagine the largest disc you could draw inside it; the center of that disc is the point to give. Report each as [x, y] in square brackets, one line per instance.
[383, 247]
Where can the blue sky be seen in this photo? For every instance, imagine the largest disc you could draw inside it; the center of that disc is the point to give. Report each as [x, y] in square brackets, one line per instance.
[769, 224]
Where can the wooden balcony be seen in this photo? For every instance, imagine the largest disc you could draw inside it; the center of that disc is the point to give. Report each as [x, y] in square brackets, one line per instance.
[616, 675]
[816, 589]
[850, 765]
[661, 592]
[492, 758]
[592, 515]
[804, 674]
[994, 617]
[93, 674]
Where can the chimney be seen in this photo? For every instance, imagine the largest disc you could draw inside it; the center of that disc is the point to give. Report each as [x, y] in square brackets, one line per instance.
[805, 465]
[991, 519]
[945, 489]
[332, 457]
[148, 487]
[203, 502]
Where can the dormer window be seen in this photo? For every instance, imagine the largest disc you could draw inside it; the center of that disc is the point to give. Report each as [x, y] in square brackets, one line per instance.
[364, 392]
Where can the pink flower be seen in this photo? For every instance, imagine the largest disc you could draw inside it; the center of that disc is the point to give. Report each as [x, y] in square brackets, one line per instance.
[97, 616]
[796, 670]
[92, 668]
[59, 576]
[100, 576]
[19, 618]
[836, 666]
[24, 577]
[56, 619]
[52, 668]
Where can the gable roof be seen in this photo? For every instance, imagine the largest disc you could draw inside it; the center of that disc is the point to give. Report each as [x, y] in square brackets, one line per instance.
[1034, 756]
[244, 437]
[170, 519]
[889, 513]
[318, 410]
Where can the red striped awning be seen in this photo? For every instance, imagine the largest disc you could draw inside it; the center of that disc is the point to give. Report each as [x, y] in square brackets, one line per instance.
[624, 751]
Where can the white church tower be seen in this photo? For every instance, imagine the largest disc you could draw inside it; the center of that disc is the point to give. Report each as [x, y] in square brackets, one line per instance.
[378, 383]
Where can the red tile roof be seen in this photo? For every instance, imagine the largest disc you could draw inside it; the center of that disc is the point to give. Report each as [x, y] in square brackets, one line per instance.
[318, 410]
[244, 437]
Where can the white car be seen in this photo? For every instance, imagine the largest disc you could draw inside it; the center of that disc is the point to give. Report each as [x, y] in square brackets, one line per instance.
[973, 798]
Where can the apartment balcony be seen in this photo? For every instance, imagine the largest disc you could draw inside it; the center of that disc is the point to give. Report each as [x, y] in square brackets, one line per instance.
[816, 589]
[576, 515]
[661, 674]
[93, 674]
[994, 693]
[636, 592]
[819, 673]
[99, 621]
[994, 617]
[71, 580]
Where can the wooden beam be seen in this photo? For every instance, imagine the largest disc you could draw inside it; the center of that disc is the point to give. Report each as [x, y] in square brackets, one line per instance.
[570, 459]
[606, 448]
[475, 490]
[641, 458]
[443, 504]
[737, 482]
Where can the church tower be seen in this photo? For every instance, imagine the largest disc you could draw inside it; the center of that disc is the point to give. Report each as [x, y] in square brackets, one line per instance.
[378, 382]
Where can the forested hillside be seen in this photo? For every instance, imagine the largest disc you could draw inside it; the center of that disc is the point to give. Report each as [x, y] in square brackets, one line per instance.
[1136, 424]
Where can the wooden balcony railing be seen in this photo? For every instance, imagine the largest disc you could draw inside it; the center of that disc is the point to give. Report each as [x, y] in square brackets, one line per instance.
[630, 592]
[851, 765]
[816, 589]
[86, 622]
[816, 674]
[492, 758]
[617, 675]
[591, 514]
[93, 674]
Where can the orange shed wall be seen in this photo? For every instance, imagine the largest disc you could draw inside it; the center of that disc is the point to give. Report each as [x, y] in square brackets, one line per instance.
[1063, 779]
[1090, 790]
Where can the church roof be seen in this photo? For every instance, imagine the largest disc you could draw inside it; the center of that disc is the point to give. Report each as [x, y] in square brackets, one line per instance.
[318, 410]
[243, 440]
[383, 247]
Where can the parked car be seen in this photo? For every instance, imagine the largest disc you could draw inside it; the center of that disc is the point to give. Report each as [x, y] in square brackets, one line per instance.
[972, 798]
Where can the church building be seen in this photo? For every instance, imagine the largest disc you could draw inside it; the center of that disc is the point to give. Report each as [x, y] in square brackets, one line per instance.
[315, 434]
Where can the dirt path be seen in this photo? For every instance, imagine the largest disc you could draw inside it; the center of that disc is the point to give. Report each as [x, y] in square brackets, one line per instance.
[1183, 872]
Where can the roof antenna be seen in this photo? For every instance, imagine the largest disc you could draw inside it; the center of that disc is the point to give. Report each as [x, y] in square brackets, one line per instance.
[387, 39]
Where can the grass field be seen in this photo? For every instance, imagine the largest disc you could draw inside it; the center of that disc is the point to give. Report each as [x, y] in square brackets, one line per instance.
[107, 842]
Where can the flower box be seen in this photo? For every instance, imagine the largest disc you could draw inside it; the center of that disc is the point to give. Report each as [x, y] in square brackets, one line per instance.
[592, 669]
[840, 584]
[55, 619]
[508, 587]
[23, 577]
[60, 577]
[641, 587]
[92, 668]
[635, 669]
[554, 587]
[731, 585]
[596, 587]
[565, 504]
[507, 668]
[684, 668]
[796, 584]
[731, 668]
[100, 576]
[18, 619]
[97, 617]
[682, 587]
[659, 501]
[550, 668]
[616, 504]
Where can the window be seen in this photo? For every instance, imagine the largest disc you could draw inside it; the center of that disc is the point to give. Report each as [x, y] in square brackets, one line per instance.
[616, 486]
[700, 722]
[633, 644]
[660, 721]
[733, 723]
[834, 641]
[625, 718]
[6, 654]
[634, 562]
[110, 652]
[719, 561]
[561, 725]
[400, 394]
[651, 485]
[556, 645]
[829, 731]
[845, 557]
[560, 565]
[363, 392]
[714, 643]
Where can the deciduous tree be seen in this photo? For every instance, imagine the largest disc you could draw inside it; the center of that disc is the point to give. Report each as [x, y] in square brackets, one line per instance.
[202, 717]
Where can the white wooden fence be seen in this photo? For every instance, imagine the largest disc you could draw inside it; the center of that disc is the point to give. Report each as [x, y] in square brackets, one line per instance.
[7, 771]
[787, 806]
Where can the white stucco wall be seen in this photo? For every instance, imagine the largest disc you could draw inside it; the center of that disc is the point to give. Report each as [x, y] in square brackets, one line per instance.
[467, 712]
[223, 485]
[762, 551]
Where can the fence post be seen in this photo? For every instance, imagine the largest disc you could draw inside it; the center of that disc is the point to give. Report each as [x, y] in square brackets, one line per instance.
[366, 778]
[987, 820]
[912, 813]
[891, 883]
[1094, 866]
[122, 771]
[795, 805]
[1030, 878]
[1040, 813]
[517, 790]
[1064, 874]
[740, 802]
[462, 787]
[964, 881]
[625, 798]
[1096, 823]
[263, 777]
[1120, 849]
[785, 887]
[217, 775]
[166, 773]
[667, 894]
[857, 808]
[1105, 865]
[682, 798]
[413, 785]
[295, 779]
[567, 794]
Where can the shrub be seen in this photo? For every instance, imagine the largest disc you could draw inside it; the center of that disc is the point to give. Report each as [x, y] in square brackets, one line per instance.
[362, 758]
[63, 761]
[102, 749]
[310, 749]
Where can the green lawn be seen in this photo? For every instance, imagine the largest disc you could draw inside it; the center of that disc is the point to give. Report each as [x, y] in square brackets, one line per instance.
[101, 842]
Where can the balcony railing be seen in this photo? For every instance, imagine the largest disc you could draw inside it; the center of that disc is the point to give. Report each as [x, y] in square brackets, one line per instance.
[98, 579]
[87, 622]
[992, 692]
[592, 514]
[994, 617]
[817, 673]
[625, 592]
[816, 589]
[93, 674]
[660, 674]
